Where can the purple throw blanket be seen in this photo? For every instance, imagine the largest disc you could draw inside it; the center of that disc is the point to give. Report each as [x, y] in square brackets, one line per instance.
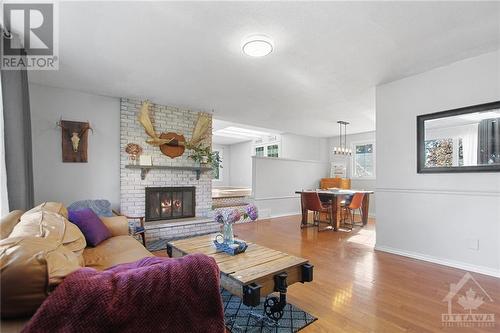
[151, 295]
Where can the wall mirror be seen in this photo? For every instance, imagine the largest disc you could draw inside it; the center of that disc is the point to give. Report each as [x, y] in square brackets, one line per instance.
[460, 140]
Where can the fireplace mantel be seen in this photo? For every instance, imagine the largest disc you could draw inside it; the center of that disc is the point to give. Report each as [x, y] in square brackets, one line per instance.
[145, 169]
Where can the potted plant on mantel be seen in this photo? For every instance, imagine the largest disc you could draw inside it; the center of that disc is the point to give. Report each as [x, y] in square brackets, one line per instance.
[203, 156]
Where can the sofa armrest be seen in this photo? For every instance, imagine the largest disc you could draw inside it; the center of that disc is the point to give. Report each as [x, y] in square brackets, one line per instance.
[140, 218]
[8, 222]
[117, 225]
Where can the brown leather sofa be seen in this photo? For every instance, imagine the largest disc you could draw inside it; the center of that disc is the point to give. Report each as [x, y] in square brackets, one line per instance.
[40, 247]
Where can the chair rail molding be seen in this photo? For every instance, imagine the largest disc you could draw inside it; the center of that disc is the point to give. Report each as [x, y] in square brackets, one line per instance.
[440, 191]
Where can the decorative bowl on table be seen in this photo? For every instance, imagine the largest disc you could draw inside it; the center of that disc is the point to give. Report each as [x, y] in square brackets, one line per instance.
[235, 248]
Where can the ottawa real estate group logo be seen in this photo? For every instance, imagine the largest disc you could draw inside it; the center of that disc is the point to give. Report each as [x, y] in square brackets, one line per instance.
[29, 35]
[465, 299]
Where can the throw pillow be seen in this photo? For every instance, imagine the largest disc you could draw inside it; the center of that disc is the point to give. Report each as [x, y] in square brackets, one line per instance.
[91, 226]
[101, 207]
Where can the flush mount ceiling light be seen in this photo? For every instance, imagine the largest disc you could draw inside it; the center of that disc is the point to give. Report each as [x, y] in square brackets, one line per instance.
[257, 46]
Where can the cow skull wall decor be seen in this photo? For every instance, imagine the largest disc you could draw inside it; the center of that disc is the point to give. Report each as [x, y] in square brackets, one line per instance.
[74, 140]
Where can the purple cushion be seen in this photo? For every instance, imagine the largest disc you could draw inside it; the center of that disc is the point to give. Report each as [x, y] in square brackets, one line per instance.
[91, 226]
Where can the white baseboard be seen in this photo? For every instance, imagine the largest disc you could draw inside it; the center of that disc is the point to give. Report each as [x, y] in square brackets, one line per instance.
[441, 261]
[268, 215]
[284, 214]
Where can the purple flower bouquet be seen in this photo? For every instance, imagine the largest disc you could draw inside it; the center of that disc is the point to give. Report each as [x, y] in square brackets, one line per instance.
[251, 212]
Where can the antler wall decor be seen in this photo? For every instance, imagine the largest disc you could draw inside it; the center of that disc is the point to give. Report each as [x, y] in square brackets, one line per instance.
[173, 144]
[74, 140]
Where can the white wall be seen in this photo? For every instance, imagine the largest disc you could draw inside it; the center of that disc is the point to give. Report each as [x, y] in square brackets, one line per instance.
[68, 182]
[358, 183]
[302, 163]
[225, 155]
[436, 217]
[275, 181]
[300, 147]
[240, 164]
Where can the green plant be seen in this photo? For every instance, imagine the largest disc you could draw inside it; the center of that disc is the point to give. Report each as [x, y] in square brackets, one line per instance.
[205, 155]
[216, 160]
[200, 154]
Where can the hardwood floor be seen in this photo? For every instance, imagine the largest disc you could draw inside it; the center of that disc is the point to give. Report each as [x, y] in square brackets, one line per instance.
[357, 289]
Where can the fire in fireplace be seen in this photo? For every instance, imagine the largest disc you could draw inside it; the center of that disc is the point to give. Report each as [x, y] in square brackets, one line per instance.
[166, 203]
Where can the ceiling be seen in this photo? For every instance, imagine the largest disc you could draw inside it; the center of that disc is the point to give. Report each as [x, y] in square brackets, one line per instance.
[328, 56]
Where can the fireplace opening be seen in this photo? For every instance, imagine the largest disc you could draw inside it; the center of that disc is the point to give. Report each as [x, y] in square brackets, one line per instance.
[167, 203]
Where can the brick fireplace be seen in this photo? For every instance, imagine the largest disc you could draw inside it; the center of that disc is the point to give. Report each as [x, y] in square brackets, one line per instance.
[133, 189]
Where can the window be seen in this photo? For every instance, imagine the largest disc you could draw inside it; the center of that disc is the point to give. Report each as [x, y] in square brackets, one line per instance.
[363, 160]
[268, 147]
[272, 151]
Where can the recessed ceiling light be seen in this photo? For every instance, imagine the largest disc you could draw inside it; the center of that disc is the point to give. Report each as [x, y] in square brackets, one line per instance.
[257, 46]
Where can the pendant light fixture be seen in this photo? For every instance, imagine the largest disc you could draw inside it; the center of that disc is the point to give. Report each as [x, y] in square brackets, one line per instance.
[342, 148]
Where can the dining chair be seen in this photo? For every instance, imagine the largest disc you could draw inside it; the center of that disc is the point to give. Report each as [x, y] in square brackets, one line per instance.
[355, 204]
[311, 202]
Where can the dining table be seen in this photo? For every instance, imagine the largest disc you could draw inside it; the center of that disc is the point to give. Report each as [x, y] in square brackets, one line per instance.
[335, 196]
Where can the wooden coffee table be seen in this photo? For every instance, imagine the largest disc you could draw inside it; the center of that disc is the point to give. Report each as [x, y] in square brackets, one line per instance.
[258, 271]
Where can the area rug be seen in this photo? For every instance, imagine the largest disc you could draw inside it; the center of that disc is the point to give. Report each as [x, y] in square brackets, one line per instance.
[238, 319]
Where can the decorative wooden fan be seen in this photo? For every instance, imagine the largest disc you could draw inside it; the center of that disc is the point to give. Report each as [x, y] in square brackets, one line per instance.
[173, 144]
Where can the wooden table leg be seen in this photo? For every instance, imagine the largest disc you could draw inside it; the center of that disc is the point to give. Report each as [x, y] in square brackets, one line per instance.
[365, 206]
[335, 210]
[303, 223]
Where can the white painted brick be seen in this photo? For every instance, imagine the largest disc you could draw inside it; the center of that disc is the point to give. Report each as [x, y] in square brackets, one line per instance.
[165, 118]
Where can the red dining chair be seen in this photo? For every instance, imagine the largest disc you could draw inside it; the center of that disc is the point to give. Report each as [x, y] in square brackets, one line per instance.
[355, 204]
[311, 201]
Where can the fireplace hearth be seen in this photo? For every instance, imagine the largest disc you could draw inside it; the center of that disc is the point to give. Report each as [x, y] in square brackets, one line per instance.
[168, 203]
